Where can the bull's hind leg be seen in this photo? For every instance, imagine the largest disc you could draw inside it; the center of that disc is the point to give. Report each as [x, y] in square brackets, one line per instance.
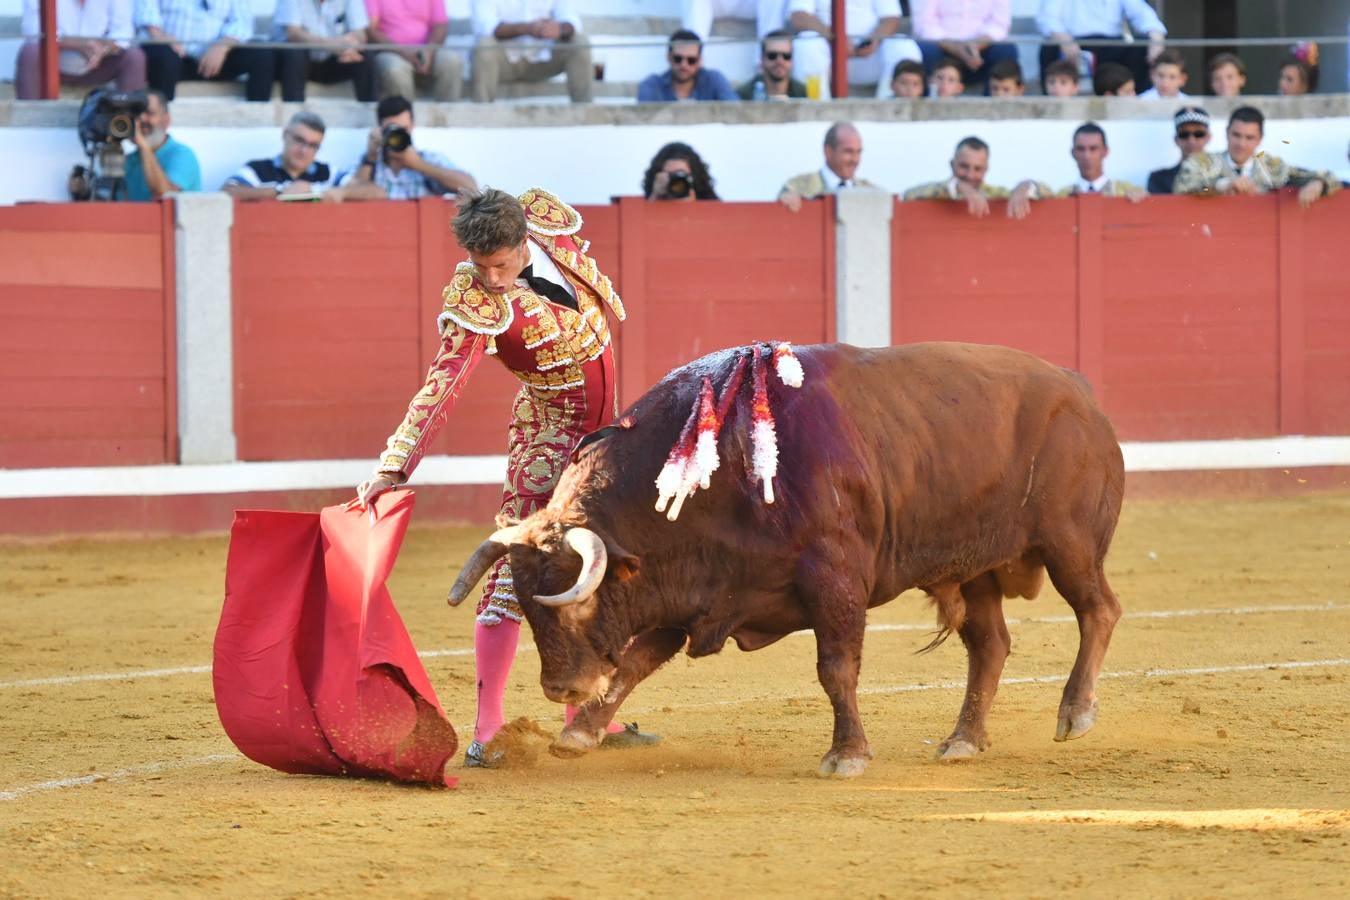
[1078, 576]
[985, 634]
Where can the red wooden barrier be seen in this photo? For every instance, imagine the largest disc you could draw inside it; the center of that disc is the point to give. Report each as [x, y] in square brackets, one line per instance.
[1193, 318]
[87, 335]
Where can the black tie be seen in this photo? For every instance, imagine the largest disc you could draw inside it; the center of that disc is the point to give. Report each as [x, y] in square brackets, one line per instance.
[545, 288]
[1092, 189]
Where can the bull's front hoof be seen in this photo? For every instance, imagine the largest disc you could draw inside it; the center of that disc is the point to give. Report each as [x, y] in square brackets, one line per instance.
[957, 748]
[836, 766]
[1075, 721]
[571, 744]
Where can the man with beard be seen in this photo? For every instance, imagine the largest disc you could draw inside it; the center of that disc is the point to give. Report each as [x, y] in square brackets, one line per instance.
[686, 79]
[843, 153]
[969, 165]
[775, 81]
[159, 165]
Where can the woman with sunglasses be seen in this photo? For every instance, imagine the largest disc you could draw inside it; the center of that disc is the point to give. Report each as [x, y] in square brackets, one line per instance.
[774, 81]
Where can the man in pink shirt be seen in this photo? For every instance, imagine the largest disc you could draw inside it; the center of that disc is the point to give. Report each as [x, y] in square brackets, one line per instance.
[420, 26]
[968, 31]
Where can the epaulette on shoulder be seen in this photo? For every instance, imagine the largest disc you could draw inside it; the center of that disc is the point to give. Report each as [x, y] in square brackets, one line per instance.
[473, 308]
[546, 214]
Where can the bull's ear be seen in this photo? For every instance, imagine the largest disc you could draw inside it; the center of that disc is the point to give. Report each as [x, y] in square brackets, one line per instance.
[622, 564]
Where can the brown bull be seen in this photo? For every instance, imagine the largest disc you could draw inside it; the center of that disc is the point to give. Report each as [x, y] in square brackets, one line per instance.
[964, 470]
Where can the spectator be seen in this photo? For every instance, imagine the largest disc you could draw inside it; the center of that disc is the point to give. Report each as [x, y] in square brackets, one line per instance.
[1113, 80]
[1242, 170]
[100, 51]
[420, 26]
[686, 79]
[339, 26]
[698, 15]
[874, 45]
[1227, 75]
[843, 153]
[774, 81]
[159, 165]
[1072, 23]
[1192, 127]
[204, 42]
[1005, 79]
[530, 40]
[1089, 153]
[1060, 79]
[294, 172]
[945, 80]
[1297, 77]
[1169, 76]
[969, 165]
[678, 173]
[907, 80]
[406, 174]
[970, 32]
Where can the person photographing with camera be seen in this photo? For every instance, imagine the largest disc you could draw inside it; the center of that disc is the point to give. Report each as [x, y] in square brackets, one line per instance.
[678, 173]
[398, 169]
[159, 165]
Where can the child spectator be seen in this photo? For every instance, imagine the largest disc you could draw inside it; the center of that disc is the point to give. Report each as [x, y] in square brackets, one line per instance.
[1061, 79]
[1227, 75]
[1005, 79]
[1168, 73]
[1113, 80]
[945, 79]
[907, 79]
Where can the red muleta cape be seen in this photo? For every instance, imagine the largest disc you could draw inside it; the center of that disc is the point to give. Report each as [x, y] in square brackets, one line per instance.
[314, 672]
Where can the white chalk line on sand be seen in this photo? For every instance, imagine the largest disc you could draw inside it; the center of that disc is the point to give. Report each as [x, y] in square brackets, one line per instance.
[154, 768]
[1329, 606]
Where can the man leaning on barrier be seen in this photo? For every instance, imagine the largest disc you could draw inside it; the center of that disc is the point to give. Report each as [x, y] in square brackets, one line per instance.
[529, 40]
[293, 174]
[393, 167]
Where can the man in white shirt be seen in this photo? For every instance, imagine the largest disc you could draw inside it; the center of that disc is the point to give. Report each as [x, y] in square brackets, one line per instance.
[1072, 23]
[874, 45]
[529, 40]
[698, 15]
[101, 51]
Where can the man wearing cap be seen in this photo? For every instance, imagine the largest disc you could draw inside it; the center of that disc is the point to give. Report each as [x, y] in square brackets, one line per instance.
[1192, 127]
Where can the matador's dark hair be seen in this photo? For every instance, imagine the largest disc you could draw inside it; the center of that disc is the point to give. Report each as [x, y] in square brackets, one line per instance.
[489, 220]
[703, 182]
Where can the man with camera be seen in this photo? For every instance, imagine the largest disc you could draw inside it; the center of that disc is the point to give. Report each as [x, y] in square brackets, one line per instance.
[294, 173]
[101, 51]
[392, 167]
[159, 165]
[204, 40]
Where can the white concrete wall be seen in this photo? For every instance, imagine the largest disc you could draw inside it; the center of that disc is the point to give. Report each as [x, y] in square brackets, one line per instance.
[748, 161]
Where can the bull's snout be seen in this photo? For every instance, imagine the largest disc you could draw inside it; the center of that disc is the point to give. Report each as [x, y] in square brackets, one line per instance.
[575, 693]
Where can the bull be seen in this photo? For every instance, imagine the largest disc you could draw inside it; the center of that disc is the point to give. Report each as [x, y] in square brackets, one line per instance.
[967, 471]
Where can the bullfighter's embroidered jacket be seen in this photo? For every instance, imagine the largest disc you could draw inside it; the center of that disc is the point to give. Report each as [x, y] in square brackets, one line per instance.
[1204, 173]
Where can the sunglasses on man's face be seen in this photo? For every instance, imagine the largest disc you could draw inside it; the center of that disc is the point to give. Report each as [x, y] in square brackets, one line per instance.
[772, 55]
[687, 60]
[1192, 135]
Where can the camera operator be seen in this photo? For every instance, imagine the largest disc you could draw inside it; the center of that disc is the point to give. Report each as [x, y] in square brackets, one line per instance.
[159, 165]
[678, 173]
[392, 167]
[295, 172]
[103, 52]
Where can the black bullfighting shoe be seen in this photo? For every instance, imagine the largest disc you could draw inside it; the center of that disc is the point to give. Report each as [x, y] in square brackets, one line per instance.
[628, 738]
[477, 757]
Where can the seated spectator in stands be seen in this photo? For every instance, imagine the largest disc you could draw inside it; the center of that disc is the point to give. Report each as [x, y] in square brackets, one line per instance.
[530, 40]
[420, 26]
[1071, 24]
[945, 80]
[1192, 126]
[970, 32]
[843, 154]
[339, 26]
[294, 172]
[969, 165]
[1060, 79]
[678, 173]
[907, 80]
[686, 79]
[401, 174]
[1089, 153]
[1297, 77]
[99, 51]
[698, 15]
[774, 81]
[1113, 80]
[159, 165]
[1169, 76]
[1005, 79]
[1227, 75]
[205, 42]
[1242, 170]
[874, 45]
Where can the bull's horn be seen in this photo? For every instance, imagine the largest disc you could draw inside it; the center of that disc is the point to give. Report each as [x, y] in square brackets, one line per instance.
[593, 561]
[488, 552]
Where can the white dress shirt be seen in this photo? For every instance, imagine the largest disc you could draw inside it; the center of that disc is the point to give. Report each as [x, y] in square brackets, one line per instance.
[545, 268]
[1152, 94]
[1079, 17]
[488, 14]
[1095, 186]
[108, 19]
[860, 15]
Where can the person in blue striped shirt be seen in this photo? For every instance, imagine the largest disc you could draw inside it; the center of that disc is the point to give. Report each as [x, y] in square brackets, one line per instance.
[203, 40]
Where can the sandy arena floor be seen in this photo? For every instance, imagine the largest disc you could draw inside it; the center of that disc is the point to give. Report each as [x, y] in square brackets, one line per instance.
[1220, 766]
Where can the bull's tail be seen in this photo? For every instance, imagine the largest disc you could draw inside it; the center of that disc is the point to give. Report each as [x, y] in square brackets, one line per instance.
[951, 611]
